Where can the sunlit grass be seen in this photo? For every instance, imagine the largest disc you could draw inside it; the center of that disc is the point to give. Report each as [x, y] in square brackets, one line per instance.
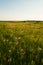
[21, 43]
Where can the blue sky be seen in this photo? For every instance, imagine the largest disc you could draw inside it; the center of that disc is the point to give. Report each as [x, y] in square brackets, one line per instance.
[21, 9]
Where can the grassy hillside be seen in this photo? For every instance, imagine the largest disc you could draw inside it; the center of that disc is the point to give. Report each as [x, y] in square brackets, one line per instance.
[21, 43]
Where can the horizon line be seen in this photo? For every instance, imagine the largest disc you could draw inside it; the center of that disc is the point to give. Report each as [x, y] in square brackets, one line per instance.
[21, 19]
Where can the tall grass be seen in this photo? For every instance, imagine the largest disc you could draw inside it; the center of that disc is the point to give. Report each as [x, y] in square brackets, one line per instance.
[21, 43]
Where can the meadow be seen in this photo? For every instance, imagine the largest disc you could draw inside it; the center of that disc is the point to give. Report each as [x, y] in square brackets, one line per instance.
[21, 43]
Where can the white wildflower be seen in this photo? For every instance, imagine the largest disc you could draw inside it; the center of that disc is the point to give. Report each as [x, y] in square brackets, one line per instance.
[22, 50]
[9, 60]
[9, 50]
[19, 37]
[39, 48]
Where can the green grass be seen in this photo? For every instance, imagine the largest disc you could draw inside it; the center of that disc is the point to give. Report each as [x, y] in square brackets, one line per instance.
[21, 43]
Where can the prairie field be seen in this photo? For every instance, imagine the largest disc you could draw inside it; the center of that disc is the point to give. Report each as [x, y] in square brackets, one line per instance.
[21, 43]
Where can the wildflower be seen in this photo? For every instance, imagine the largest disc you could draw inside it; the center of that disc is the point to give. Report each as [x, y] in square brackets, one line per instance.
[39, 48]
[22, 51]
[19, 37]
[17, 43]
[9, 60]
[9, 51]
[4, 40]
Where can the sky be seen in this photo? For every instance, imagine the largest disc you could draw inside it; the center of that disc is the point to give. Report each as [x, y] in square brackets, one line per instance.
[21, 9]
